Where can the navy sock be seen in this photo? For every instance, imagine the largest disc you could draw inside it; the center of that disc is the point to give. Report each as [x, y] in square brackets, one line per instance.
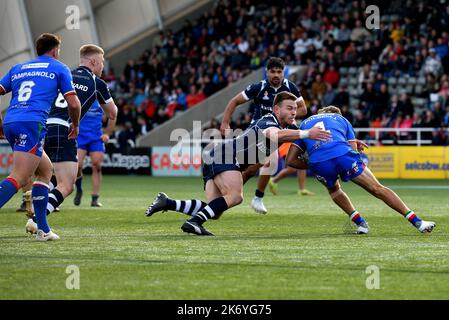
[55, 198]
[8, 188]
[259, 194]
[215, 208]
[79, 184]
[53, 182]
[188, 207]
[40, 200]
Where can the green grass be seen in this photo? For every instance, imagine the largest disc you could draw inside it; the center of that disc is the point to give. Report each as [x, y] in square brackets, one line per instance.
[299, 250]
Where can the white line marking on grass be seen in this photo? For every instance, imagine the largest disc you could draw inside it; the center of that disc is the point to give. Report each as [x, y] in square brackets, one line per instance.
[418, 187]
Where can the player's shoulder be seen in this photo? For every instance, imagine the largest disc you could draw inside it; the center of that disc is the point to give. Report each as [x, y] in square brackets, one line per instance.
[268, 120]
[256, 85]
[290, 85]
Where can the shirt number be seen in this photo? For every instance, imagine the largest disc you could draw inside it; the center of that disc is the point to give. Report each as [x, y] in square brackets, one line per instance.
[61, 102]
[25, 91]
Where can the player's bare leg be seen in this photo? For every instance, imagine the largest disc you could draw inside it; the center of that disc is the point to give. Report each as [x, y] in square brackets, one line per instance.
[229, 185]
[251, 171]
[369, 182]
[97, 160]
[302, 176]
[25, 206]
[265, 174]
[342, 200]
[273, 182]
[79, 177]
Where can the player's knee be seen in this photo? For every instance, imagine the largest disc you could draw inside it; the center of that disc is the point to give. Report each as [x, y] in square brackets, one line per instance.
[237, 199]
[377, 190]
[96, 165]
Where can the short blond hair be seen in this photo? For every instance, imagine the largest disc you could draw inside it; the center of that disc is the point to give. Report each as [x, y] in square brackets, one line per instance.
[90, 49]
[330, 109]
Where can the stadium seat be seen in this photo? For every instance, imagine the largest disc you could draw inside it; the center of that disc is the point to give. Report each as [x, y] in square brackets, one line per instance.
[418, 89]
[402, 81]
[352, 71]
[412, 80]
[392, 81]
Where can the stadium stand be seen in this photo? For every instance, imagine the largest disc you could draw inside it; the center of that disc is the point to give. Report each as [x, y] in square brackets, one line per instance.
[395, 76]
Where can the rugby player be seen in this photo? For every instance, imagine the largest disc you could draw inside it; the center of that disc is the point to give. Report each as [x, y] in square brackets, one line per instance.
[91, 140]
[223, 164]
[35, 85]
[262, 93]
[63, 151]
[337, 158]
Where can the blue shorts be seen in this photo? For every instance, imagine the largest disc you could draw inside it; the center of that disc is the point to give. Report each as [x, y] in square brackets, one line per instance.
[345, 167]
[57, 145]
[91, 143]
[26, 136]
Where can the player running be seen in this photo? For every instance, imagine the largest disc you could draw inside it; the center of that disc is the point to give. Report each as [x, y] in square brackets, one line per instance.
[338, 157]
[91, 140]
[34, 86]
[262, 94]
[223, 164]
[62, 151]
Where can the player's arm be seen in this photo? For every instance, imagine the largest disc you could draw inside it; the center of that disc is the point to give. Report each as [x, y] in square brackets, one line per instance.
[105, 99]
[229, 111]
[292, 159]
[108, 130]
[110, 110]
[289, 135]
[74, 109]
[302, 108]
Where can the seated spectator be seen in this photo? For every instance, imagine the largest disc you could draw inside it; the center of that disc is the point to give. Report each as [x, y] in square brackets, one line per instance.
[329, 95]
[332, 76]
[318, 87]
[195, 96]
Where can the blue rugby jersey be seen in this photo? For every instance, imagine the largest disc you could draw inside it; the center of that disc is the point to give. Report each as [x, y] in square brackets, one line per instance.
[341, 132]
[35, 85]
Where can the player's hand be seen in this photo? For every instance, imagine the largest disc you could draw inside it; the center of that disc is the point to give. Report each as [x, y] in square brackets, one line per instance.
[361, 146]
[73, 132]
[319, 134]
[2, 134]
[224, 126]
[104, 137]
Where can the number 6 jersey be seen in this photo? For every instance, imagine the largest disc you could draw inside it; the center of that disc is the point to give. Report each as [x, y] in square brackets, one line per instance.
[35, 85]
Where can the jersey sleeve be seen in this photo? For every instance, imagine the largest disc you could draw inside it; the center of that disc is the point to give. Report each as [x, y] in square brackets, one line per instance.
[103, 94]
[350, 134]
[66, 81]
[252, 91]
[5, 83]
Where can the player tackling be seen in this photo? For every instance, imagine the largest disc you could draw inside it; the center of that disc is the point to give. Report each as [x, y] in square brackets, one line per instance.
[223, 164]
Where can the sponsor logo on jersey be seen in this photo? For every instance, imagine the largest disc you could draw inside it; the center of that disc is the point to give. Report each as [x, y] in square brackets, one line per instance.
[42, 65]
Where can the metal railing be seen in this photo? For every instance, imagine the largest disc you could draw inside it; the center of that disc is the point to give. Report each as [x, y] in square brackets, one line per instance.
[405, 136]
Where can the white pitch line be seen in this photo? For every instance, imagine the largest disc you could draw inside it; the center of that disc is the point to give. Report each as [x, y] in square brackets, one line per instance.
[420, 187]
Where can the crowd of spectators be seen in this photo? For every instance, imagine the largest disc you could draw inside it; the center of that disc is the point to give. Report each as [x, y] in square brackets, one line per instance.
[392, 76]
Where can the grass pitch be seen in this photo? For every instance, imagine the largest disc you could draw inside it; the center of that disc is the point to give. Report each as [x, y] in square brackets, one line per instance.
[299, 250]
